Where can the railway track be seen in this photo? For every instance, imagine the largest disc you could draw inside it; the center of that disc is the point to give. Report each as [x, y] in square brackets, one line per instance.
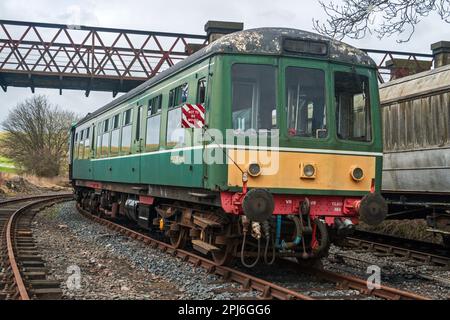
[23, 275]
[420, 251]
[267, 289]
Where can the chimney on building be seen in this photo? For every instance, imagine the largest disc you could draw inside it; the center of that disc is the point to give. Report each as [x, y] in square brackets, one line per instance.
[216, 29]
[441, 53]
[400, 68]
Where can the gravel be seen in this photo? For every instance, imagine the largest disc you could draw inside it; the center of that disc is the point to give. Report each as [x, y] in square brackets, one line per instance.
[425, 279]
[116, 267]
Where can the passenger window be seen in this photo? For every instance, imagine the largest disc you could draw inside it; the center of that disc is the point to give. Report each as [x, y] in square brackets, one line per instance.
[352, 106]
[153, 131]
[116, 122]
[115, 135]
[87, 144]
[153, 123]
[305, 96]
[81, 147]
[125, 146]
[175, 134]
[76, 146]
[106, 125]
[178, 95]
[105, 144]
[99, 145]
[127, 117]
[201, 91]
[154, 105]
[253, 96]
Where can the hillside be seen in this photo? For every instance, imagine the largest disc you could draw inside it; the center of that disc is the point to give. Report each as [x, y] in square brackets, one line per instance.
[6, 165]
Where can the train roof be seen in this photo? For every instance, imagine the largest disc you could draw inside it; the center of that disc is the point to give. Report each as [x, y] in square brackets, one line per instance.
[260, 41]
[418, 84]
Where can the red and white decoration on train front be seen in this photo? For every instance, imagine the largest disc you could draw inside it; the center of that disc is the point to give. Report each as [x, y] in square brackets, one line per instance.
[193, 116]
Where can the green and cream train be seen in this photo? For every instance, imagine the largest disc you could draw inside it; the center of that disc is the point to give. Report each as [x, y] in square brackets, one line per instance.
[265, 143]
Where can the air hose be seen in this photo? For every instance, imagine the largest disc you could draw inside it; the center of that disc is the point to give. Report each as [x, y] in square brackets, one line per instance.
[243, 250]
[266, 228]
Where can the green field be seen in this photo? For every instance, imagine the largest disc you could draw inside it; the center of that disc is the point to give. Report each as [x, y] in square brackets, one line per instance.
[7, 165]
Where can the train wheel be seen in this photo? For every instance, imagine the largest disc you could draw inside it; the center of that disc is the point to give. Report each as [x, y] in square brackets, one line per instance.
[321, 243]
[178, 236]
[226, 254]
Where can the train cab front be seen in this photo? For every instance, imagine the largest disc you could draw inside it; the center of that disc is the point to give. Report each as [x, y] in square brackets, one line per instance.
[305, 206]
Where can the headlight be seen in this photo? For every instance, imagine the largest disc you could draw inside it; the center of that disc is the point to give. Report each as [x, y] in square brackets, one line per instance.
[357, 173]
[254, 169]
[309, 170]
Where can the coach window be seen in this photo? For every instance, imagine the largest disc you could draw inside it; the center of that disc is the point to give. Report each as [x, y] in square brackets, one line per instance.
[201, 91]
[175, 133]
[178, 95]
[253, 96]
[153, 122]
[154, 105]
[81, 146]
[126, 131]
[305, 97]
[87, 144]
[98, 150]
[115, 135]
[75, 150]
[105, 139]
[352, 106]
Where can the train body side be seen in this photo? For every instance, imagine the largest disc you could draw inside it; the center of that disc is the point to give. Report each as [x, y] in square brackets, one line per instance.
[415, 113]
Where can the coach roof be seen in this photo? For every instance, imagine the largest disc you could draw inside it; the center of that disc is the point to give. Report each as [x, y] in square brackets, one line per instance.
[260, 41]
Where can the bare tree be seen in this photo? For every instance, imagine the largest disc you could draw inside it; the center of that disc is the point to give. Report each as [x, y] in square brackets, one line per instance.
[354, 19]
[37, 135]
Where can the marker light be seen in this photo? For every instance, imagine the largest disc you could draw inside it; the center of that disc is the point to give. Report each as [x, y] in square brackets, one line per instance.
[254, 169]
[357, 173]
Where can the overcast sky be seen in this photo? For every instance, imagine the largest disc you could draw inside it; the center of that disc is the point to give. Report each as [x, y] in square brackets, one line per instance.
[182, 16]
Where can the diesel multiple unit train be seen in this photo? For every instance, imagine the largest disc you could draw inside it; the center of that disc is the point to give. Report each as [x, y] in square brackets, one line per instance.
[155, 155]
[416, 173]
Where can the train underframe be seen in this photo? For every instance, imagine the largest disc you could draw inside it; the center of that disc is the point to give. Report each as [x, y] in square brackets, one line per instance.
[433, 207]
[304, 230]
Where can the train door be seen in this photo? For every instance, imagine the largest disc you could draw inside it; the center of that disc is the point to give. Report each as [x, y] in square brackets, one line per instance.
[92, 143]
[71, 151]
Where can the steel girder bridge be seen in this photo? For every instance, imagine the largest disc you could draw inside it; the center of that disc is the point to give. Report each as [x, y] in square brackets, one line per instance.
[43, 55]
